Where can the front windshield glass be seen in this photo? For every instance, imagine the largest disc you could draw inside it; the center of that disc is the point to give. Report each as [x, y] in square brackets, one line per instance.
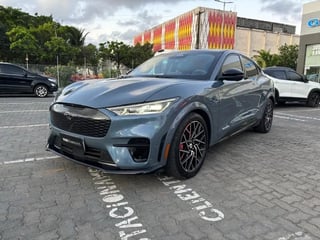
[188, 65]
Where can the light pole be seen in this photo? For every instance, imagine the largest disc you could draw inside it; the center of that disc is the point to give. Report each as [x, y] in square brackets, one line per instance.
[222, 24]
[27, 60]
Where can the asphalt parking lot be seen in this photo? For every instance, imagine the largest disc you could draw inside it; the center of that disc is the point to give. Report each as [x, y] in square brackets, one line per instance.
[252, 186]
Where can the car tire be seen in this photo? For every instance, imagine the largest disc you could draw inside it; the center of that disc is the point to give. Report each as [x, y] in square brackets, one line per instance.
[313, 99]
[189, 147]
[41, 91]
[265, 123]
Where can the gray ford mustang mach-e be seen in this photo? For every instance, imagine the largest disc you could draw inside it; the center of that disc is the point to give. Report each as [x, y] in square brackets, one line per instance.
[163, 115]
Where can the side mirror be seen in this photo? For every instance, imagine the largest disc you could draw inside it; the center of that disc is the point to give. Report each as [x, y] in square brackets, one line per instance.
[305, 79]
[232, 74]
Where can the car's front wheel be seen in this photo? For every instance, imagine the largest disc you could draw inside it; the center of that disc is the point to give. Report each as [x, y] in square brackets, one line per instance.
[265, 123]
[41, 91]
[188, 148]
[313, 99]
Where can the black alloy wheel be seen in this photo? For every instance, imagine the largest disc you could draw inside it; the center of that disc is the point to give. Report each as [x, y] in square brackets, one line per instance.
[265, 124]
[189, 147]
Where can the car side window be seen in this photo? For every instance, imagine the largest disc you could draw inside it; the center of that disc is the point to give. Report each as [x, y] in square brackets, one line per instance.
[280, 74]
[251, 69]
[294, 76]
[232, 61]
[12, 70]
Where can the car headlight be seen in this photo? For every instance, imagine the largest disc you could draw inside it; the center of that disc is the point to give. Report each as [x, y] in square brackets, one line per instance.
[144, 108]
[52, 80]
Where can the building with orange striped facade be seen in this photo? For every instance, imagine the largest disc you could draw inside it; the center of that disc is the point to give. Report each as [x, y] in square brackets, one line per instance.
[206, 28]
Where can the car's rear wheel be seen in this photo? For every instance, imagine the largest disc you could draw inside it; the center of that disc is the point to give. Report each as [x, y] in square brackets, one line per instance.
[265, 123]
[41, 90]
[313, 99]
[188, 148]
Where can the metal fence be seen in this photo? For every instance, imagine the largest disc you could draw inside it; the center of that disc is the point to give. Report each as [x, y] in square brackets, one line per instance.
[66, 74]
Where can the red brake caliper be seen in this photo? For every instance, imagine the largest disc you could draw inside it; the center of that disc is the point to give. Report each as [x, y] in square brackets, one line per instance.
[180, 146]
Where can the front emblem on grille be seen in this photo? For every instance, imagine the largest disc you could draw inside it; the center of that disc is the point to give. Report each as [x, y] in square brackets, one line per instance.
[68, 115]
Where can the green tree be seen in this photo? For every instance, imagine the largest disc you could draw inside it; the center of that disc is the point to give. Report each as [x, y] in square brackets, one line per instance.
[19, 32]
[58, 49]
[138, 54]
[266, 59]
[74, 36]
[90, 56]
[115, 51]
[22, 41]
[4, 43]
[288, 55]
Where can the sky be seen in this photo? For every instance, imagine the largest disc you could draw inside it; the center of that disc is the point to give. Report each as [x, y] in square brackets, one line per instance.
[121, 20]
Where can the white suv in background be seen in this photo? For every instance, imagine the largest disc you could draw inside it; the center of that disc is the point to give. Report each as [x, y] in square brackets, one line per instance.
[291, 86]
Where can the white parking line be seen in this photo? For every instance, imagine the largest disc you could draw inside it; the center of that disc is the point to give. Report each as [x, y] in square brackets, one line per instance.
[296, 116]
[25, 126]
[23, 103]
[289, 118]
[297, 235]
[24, 111]
[304, 110]
[28, 160]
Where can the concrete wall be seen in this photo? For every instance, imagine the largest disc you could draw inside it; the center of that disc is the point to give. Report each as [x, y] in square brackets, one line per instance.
[249, 41]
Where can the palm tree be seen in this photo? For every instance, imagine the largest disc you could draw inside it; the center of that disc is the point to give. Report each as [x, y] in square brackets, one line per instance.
[75, 37]
[266, 59]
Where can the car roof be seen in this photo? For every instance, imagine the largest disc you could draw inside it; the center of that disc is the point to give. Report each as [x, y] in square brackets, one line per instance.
[6, 63]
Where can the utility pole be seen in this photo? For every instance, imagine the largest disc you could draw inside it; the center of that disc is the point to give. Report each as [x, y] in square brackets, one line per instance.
[222, 24]
[27, 60]
[57, 58]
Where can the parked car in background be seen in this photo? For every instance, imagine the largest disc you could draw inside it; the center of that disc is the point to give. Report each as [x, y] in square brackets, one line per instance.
[163, 114]
[15, 79]
[291, 86]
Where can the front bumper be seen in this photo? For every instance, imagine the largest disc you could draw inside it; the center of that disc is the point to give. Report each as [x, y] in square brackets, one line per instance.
[53, 87]
[132, 144]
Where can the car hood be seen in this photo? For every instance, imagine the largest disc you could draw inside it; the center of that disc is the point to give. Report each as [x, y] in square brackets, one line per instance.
[314, 84]
[115, 92]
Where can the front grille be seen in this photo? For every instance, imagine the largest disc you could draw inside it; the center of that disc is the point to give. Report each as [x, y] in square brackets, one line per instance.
[80, 120]
[78, 150]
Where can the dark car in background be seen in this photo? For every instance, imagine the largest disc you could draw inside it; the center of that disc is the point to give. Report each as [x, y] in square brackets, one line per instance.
[163, 114]
[15, 79]
[291, 86]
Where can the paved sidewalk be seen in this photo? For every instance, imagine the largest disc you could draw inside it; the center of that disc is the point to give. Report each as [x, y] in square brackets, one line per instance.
[252, 186]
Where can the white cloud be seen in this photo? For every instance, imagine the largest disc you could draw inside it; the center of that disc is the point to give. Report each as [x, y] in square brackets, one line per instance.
[107, 19]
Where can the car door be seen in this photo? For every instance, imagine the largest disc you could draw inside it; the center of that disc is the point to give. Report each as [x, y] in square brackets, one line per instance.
[281, 82]
[14, 79]
[299, 88]
[253, 86]
[234, 105]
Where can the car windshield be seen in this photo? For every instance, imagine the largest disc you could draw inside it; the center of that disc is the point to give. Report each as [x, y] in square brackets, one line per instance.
[187, 65]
